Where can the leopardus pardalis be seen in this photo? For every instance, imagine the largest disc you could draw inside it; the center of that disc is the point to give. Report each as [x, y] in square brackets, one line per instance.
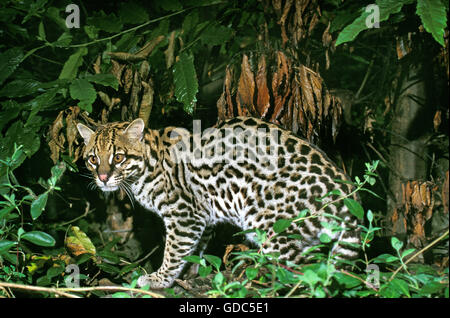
[244, 171]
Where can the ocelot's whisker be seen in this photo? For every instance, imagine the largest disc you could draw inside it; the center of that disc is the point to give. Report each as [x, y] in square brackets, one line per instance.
[125, 187]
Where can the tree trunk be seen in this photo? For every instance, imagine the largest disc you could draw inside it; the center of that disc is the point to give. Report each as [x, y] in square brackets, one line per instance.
[408, 144]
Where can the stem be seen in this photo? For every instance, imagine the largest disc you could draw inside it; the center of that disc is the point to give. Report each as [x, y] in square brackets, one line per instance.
[64, 291]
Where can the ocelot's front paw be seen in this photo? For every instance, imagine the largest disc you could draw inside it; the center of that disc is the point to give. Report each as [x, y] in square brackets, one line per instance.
[154, 280]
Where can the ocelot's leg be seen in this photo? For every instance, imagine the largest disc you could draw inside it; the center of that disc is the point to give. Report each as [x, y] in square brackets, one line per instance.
[193, 269]
[181, 241]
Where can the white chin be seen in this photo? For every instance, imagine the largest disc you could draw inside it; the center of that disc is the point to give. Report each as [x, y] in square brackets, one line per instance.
[109, 188]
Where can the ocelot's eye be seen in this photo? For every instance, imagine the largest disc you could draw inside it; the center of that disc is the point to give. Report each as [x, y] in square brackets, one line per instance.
[93, 160]
[118, 158]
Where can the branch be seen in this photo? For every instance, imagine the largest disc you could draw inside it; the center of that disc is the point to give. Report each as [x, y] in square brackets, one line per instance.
[38, 289]
[65, 291]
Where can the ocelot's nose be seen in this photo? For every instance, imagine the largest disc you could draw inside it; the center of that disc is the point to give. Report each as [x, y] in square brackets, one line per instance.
[103, 177]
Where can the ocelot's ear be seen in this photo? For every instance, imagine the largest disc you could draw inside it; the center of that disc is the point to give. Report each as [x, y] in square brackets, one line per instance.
[85, 132]
[135, 129]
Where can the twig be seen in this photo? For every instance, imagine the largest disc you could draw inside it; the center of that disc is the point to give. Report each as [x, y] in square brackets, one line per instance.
[113, 288]
[418, 253]
[39, 289]
[65, 291]
[361, 87]
[146, 256]
[86, 212]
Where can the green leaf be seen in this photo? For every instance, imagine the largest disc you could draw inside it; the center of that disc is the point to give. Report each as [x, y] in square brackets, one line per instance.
[54, 271]
[10, 111]
[39, 238]
[396, 243]
[385, 258]
[78, 243]
[400, 286]
[219, 279]
[106, 255]
[370, 216]
[324, 238]
[20, 88]
[6, 245]
[407, 252]
[6, 212]
[106, 22]
[204, 271]
[310, 277]
[108, 268]
[53, 14]
[84, 91]
[386, 8]
[104, 79]
[132, 13]
[281, 225]
[190, 22]
[64, 40]
[173, 5]
[91, 31]
[216, 35]
[251, 272]
[348, 281]
[70, 68]
[194, 259]
[185, 79]
[434, 18]
[120, 295]
[41, 31]
[9, 60]
[354, 207]
[57, 171]
[38, 205]
[43, 281]
[213, 260]
[20, 135]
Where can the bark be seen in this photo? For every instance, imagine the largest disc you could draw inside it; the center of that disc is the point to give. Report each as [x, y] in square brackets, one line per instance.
[408, 144]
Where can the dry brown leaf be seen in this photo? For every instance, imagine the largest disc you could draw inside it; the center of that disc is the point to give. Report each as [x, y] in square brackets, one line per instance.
[280, 85]
[221, 107]
[57, 139]
[135, 90]
[263, 99]
[169, 52]
[246, 89]
[117, 70]
[297, 98]
[96, 65]
[149, 47]
[437, 120]
[146, 102]
[232, 248]
[71, 130]
[127, 80]
[126, 57]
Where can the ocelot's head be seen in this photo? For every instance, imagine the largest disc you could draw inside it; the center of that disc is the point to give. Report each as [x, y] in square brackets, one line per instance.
[114, 153]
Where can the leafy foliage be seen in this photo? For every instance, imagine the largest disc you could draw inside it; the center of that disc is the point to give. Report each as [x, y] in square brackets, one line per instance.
[432, 14]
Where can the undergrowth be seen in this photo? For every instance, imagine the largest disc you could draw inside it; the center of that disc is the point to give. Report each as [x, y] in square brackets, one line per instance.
[28, 256]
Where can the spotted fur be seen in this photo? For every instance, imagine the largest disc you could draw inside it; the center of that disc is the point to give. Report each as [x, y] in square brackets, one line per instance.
[226, 176]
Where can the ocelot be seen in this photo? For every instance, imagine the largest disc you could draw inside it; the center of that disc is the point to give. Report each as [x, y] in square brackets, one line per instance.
[244, 171]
